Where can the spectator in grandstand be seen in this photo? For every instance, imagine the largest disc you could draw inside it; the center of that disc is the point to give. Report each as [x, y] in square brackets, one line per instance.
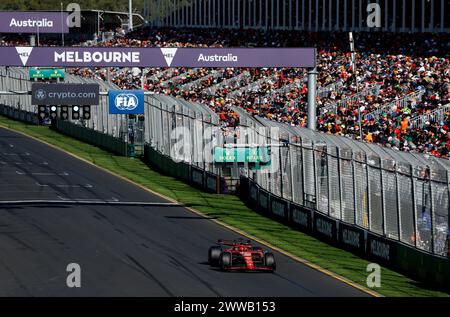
[400, 64]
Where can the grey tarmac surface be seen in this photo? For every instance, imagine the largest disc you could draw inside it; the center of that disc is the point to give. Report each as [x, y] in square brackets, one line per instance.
[123, 250]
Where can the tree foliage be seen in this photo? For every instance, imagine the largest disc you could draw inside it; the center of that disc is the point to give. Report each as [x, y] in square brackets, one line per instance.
[113, 5]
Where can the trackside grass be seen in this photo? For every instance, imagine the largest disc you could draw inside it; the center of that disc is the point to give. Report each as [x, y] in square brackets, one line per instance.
[230, 210]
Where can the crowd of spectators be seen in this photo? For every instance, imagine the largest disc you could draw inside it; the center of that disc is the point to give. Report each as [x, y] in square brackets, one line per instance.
[400, 64]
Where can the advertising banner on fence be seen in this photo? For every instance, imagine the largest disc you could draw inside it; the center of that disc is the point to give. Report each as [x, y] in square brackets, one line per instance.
[279, 207]
[325, 226]
[301, 216]
[352, 238]
[263, 201]
[212, 183]
[380, 248]
[46, 73]
[126, 101]
[33, 22]
[156, 57]
[64, 94]
[197, 176]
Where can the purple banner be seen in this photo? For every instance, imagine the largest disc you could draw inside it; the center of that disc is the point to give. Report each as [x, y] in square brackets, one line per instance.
[157, 57]
[33, 22]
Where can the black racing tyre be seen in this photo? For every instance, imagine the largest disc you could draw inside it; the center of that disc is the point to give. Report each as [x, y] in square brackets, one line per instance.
[269, 261]
[225, 260]
[214, 255]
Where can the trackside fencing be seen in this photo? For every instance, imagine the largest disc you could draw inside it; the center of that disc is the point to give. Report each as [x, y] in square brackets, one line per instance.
[359, 240]
[177, 134]
[17, 106]
[390, 206]
[106, 131]
[402, 196]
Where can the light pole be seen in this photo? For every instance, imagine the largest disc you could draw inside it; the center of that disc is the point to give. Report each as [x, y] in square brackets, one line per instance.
[99, 18]
[62, 25]
[352, 50]
[312, 92]
[130, 17]
[37, 33]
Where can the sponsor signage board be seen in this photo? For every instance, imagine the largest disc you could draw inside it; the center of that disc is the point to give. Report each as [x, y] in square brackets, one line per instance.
[241, 155]
[156, 57]
[46, 73]
[352, 238]
[197, 176]
[380, 248]
[33, 22]
[278, 207]
[263, 202]
[325, 226]
[301, 217]
[253, 193]
[65, 94]
[212, 182]
[126, 101]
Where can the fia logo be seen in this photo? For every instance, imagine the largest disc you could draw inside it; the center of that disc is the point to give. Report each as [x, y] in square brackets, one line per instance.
[126, 102]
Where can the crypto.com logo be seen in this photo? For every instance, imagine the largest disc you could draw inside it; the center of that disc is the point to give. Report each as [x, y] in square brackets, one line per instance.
[40, 94]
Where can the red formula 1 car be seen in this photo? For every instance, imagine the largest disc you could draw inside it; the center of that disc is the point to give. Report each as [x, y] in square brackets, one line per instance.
[240, 255]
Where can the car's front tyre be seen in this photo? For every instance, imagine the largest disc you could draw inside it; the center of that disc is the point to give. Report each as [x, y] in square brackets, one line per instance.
[225, 261]
[269, 261]
[214, 255]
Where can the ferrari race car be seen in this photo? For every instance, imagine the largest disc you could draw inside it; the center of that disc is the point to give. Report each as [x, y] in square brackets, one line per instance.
[240, 255]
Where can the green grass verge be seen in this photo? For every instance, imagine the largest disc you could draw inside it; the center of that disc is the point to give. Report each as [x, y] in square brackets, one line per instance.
[230, 210]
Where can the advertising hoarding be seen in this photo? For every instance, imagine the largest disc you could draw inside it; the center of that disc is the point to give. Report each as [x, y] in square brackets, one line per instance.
[33, 22]
[65, 94]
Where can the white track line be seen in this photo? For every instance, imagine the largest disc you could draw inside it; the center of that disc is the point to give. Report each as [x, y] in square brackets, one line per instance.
[65, 185]
[112, 200]
[43, 174]
[23, 163]
[11, 154]
[88, 201]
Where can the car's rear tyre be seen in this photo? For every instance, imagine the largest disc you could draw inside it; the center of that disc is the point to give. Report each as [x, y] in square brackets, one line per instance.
[214, 255]
[269, 261]
[225, 261]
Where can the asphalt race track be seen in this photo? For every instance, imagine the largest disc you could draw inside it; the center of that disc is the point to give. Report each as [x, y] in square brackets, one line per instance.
[76, 214]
